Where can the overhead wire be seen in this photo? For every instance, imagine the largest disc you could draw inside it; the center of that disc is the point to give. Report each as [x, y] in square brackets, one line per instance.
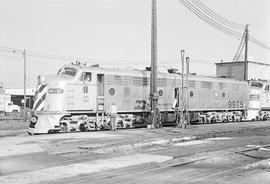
[208, 20]
[30, 53]
[257, 42]
[197, 7]
[218, 17]
[39, 54]
[214, 20]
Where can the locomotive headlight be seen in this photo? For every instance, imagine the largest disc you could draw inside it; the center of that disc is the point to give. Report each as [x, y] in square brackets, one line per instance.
[55, 91]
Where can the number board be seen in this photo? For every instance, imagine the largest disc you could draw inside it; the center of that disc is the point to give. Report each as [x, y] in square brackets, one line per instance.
[235, 104]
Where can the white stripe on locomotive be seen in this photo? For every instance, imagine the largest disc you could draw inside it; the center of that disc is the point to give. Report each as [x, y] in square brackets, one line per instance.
[40, 98]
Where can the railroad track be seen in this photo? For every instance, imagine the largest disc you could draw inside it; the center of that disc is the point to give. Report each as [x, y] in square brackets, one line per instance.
[150, 169]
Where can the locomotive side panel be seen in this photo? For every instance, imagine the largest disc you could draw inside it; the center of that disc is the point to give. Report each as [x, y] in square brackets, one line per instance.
[265, 97]
[169, 96]
[130, 93]
[238, 96]
[206, 96]
[80, 97]
[81, 94]
[217, 95]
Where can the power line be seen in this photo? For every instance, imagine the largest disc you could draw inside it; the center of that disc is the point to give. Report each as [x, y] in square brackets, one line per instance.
[39, 54]
[217, 21]
[257, 42]
[218, 17]
[208, 20]
[16, 51]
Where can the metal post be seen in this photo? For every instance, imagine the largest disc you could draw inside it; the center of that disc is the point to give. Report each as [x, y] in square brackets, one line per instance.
[187, 93]
[182, 89]
[97, 118]
[153, 86]
[24, 85]
[246, 54]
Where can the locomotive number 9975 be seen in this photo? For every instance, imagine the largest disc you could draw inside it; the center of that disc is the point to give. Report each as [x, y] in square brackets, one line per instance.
[235, 104]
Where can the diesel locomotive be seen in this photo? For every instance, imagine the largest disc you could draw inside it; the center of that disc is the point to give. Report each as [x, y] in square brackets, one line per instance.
[79, 96]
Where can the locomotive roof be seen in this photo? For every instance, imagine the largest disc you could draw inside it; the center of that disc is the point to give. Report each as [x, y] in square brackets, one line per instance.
[118, 70]
[132, 71]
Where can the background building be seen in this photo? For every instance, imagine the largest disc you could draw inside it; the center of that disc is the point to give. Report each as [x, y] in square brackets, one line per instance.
[17, 96]
[256, 70]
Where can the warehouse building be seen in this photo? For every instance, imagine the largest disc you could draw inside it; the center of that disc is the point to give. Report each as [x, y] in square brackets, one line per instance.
[255, 70]
[17, 96]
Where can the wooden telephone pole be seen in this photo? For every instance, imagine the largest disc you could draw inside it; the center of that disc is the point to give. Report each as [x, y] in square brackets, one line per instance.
[153, 83]
[246, 54]
[24, 85]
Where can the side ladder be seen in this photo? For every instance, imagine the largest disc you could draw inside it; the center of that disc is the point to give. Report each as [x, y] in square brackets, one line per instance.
[100, 108]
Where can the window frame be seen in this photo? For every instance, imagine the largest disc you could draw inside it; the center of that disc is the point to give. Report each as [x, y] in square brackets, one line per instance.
[83, 76]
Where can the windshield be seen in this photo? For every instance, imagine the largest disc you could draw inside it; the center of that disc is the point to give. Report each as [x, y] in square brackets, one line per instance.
[67, 71]
[256, 84]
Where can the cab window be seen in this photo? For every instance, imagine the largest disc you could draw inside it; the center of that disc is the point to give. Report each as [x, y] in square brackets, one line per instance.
[67, 71]
[86, 76]
[256, 84]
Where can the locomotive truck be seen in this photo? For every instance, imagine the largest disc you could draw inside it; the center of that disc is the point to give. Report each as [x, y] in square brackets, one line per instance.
[79, 96]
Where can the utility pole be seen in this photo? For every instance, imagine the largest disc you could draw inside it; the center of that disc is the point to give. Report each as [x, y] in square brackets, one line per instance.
[24, 85]
[182, 88]
[246, 54]
[153, 86]
[181, 105]
[187, 93]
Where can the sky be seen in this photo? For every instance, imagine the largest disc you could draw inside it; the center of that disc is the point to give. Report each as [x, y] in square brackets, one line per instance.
[118, 33]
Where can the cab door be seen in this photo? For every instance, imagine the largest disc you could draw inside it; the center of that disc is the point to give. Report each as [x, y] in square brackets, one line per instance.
[87, 91]
[100, 93]
[100, 84]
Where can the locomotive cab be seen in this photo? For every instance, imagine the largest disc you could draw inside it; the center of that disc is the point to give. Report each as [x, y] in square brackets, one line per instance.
[71, 91]
[256, 99]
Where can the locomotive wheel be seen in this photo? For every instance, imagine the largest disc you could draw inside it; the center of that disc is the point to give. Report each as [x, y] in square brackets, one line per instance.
[64, 128]
[108, 126]
[133, 122]
[147, 120]
[120, 124]
[82, 127]
[96, 127]
[203, 120]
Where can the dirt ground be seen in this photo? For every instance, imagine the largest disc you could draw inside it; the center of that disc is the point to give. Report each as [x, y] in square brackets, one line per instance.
[213, 153]
[13, 124]
[12, 121]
